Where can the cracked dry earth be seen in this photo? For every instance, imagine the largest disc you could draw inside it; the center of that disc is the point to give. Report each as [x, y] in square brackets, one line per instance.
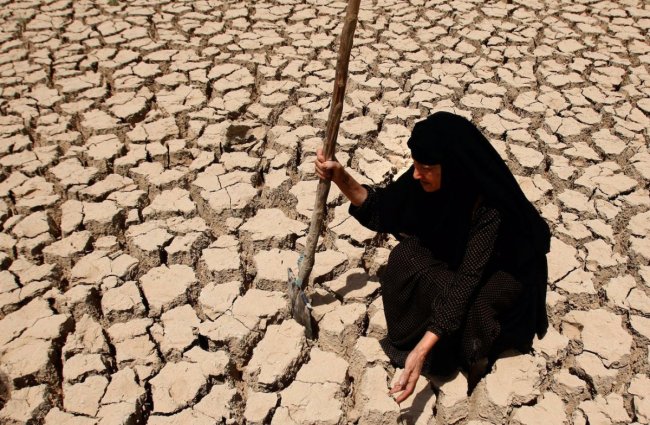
[157, 180]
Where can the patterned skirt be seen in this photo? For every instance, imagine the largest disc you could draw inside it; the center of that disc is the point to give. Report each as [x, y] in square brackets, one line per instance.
[410, 283]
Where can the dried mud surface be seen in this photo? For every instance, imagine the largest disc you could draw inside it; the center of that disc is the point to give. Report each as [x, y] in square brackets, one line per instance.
[156, 181]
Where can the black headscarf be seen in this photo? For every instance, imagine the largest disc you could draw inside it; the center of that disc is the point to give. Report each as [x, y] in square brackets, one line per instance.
[471, 167]
[471, 170]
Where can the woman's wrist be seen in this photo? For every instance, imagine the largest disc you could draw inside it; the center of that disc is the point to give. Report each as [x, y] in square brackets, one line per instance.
[338, 175]
[426, 343]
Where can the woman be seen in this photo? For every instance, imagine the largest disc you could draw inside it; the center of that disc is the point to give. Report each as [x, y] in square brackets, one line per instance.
[468, 278]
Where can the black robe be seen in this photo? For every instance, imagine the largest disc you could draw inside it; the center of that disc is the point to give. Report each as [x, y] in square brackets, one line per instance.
[471, 263]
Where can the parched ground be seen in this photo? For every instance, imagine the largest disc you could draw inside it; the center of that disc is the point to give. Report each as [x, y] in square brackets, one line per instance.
[157, 181]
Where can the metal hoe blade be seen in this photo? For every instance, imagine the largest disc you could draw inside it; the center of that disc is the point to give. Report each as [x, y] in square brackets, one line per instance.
[299, 304]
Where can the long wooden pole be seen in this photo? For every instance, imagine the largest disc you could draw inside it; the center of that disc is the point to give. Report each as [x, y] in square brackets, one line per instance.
[331, 134]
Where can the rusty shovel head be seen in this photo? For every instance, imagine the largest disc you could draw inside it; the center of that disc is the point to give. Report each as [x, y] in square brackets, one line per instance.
[299, 304]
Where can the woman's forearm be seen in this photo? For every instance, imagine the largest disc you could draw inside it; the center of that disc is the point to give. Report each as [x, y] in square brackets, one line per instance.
[351, 188]
[426, 343]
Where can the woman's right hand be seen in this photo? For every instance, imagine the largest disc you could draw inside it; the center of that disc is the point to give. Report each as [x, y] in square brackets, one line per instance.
[327, 170]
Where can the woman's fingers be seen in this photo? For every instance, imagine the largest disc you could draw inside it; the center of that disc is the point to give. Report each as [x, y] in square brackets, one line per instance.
[401, 382]
[406, 387]
[323, 172]
[405, 394]
[324, 169]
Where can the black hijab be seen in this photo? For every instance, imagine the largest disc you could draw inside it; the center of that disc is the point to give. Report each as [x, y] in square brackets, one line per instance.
[471, 170]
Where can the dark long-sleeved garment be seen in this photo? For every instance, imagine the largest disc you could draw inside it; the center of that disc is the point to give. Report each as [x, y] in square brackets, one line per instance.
[463, 301]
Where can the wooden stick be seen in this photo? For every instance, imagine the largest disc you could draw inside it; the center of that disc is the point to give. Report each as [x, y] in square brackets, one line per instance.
[331, 134]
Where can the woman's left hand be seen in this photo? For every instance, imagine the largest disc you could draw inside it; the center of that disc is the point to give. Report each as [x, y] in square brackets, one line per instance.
[413, 366]
[409, 377]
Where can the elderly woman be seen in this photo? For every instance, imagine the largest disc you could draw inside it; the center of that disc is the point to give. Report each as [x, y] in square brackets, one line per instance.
[468, 277]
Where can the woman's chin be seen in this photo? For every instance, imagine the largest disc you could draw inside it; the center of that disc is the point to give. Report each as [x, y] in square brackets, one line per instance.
[428, 187]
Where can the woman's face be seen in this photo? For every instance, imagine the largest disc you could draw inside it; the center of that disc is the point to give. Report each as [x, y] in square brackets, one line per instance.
[428, 175]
